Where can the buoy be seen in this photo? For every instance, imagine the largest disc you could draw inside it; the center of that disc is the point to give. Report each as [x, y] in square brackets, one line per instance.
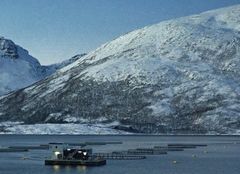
[194, 156]
[24, 158]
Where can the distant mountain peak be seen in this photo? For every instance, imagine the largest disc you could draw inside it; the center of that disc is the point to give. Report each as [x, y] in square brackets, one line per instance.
[25, 69]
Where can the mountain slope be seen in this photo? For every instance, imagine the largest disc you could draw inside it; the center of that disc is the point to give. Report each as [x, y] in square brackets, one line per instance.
[50, 69]
[18, 69]
[178, 76]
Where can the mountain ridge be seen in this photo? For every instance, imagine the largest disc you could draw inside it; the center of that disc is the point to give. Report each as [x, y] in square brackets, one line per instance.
[178, 76]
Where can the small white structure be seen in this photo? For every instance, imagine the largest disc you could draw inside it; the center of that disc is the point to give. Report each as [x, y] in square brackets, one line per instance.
[57, 150]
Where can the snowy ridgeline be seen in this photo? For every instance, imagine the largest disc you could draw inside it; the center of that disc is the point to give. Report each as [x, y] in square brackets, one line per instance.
[178, 76]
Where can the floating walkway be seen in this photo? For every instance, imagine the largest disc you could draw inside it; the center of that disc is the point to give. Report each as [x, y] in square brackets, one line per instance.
[146, 151]
[3, 150]
[169, 148]
[141, 151]
[118, 156]
[23, 148]
[186, 146]
[41, 147]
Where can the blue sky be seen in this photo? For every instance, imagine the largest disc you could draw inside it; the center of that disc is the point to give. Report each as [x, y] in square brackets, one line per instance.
[54, 30]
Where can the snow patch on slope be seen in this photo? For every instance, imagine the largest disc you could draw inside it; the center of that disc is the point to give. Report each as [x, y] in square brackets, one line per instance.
[70, 128]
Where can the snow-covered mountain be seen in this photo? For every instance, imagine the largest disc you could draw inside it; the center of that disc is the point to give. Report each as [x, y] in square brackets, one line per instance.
[178, 76]
[18, 69]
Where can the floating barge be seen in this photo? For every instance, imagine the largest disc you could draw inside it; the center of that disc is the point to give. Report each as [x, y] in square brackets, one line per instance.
[74, 162]
[63, 154]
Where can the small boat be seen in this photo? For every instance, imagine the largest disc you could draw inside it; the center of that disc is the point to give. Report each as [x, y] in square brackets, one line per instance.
[62, 154]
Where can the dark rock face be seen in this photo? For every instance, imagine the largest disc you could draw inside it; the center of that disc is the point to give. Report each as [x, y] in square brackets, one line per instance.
[8, 48]
[179, 76]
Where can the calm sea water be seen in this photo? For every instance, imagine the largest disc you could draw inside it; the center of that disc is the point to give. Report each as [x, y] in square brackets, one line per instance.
[221, 156]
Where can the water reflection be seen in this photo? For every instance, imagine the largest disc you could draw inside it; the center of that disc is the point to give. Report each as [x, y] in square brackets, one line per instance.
[81, 169]
[56, 168]
[69, 169]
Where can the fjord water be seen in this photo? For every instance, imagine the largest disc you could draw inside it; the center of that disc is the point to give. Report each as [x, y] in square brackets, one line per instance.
[221, 156]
